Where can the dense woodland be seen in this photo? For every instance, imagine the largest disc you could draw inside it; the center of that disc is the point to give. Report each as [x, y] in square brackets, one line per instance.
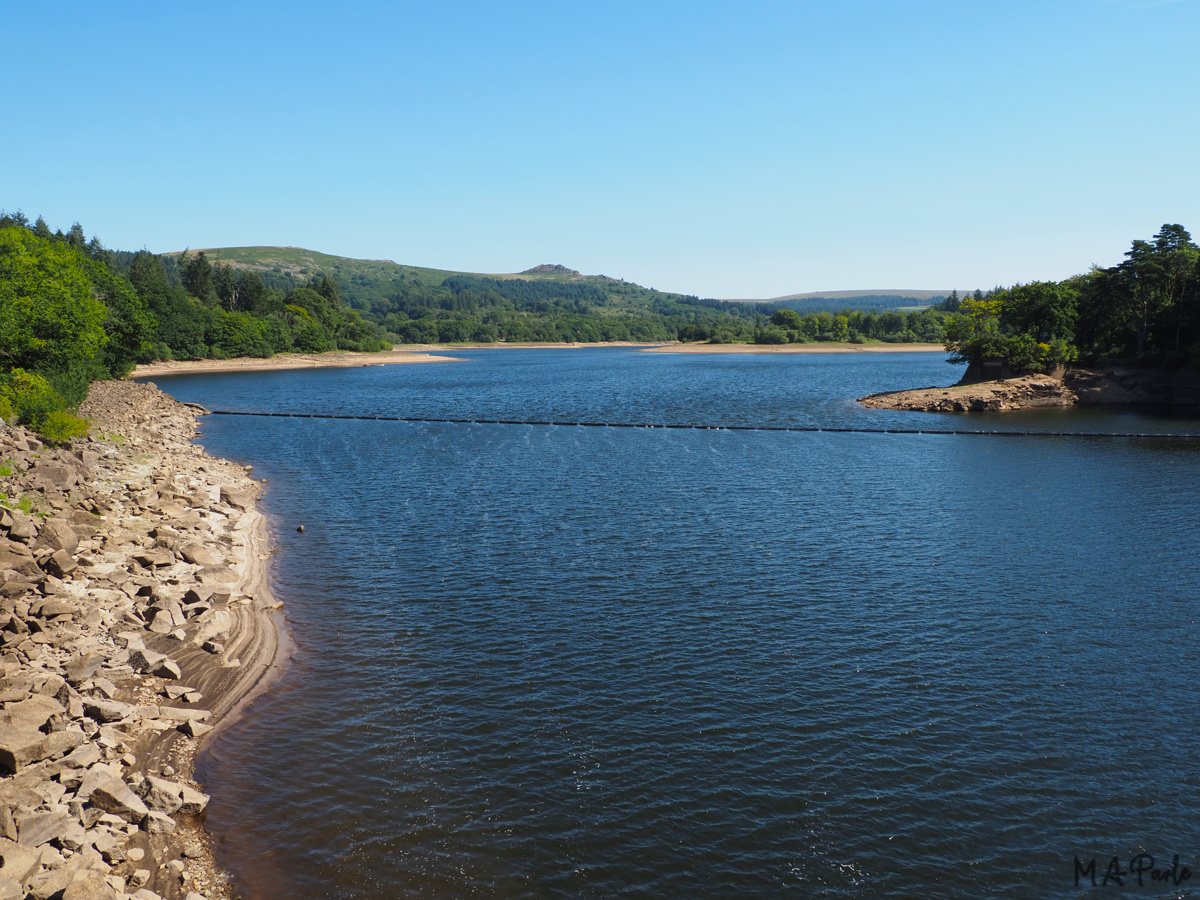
[1145, 311]
[72, 311]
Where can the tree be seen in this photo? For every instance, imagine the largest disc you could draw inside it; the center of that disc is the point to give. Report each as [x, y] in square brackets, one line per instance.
[128, 324]
[786, 318]
[51, 323]
[1044, 310]
[198, 278]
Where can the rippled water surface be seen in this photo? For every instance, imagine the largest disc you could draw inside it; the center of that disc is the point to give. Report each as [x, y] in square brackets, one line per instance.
[573, 662]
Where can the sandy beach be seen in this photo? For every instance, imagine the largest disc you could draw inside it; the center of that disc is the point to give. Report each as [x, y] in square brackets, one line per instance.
[431, 353]
[830, 347]
[332, 360]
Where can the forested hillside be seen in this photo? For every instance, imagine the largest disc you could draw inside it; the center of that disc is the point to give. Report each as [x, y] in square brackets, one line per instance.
[554, 303]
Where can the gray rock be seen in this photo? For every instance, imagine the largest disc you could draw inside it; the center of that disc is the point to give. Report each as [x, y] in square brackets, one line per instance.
[194, 801]
[182, 715]
[237, 499]
[162, 622]
[163, 795]
[91, 886]
[115, 797]
[106, 710]
[56, 534]
[200, 555]
[82, 757]
[145, 660]
[194, 728]
[154, 558]
[32, 713]
[60, 564]
[169, 669]
[59, 742]
[60, 478]
[17, 863]
[158, 823]
[20, 746]
[214, 575]
[81, 668]
[37, 828]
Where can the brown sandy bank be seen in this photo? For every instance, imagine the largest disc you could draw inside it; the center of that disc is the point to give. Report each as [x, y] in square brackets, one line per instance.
[1114, 385]
[797, 348]
[1014, 393]
[284, 361]
[527, 345]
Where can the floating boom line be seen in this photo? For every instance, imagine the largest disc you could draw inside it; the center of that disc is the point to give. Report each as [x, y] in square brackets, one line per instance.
[810, 429]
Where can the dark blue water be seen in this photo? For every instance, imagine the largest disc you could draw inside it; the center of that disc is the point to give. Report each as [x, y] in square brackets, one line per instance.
[569, 662]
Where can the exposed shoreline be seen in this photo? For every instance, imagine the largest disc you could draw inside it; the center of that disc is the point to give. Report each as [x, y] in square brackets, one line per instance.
[287, 361]
[433, 353]
[821, 347]
[1121, 386]
[140, 622]
[1028, 392]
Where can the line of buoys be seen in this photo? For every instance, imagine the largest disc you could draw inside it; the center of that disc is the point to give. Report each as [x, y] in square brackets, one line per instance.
[793, 428]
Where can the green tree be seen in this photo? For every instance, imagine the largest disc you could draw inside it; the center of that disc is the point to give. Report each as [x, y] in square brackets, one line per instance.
[51, 323]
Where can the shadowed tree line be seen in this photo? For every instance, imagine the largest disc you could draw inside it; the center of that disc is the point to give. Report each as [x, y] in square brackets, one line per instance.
[1145, 310]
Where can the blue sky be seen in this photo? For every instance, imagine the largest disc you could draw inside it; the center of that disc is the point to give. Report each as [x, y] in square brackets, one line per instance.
[728, 150]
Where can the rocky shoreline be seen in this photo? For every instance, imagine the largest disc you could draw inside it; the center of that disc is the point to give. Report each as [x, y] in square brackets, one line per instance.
[135, 619]
[1113, 385]
[1012, 393]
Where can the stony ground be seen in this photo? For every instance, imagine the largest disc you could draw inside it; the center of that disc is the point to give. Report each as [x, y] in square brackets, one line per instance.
[134, 613]
[1013, 393]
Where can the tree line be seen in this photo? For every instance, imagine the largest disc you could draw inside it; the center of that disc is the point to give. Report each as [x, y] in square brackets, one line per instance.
[1144, 310]
[73, 311]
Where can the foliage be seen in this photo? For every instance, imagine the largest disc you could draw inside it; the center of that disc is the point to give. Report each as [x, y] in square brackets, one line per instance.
[30, 397]
[50, 320]
[1028, 326]
[1147, 306]
[59, 427]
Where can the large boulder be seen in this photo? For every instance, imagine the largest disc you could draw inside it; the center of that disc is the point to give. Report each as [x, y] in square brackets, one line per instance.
[20, 747]
[57, 534]
[33, 713]
[55, 477]
[116, 797]
[236, 498]
[200, 555]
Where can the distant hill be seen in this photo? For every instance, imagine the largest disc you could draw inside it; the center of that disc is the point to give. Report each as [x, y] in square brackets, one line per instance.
[849, 295]
[836, 301]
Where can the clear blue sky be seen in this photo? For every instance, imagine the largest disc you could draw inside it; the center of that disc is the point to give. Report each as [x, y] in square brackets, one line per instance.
[744, 149]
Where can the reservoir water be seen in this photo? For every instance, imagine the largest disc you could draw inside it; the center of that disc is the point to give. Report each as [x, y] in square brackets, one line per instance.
[560, 662]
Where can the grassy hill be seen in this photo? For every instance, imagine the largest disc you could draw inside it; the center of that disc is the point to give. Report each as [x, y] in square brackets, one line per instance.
[374, 285]
[369, 284]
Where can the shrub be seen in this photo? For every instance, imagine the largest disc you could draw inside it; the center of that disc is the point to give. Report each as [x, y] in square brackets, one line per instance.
[59, 427]
[31, 397]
